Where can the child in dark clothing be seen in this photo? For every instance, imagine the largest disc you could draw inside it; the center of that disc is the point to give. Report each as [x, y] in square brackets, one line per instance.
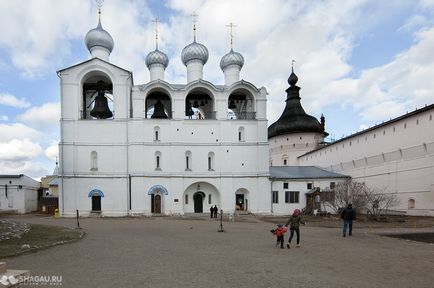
[294, 222]
[279, 232]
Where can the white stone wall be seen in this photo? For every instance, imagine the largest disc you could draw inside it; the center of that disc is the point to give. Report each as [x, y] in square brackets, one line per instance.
[394, 158]
[289, 147]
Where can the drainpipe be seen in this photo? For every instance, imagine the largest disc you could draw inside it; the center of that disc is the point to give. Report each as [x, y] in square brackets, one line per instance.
[61, 150]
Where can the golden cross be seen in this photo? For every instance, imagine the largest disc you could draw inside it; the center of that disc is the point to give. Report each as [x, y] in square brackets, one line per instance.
[231, 34]
[156, 21]
[195, 16]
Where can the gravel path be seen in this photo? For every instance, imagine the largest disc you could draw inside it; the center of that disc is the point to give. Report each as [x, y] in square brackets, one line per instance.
[164, 252]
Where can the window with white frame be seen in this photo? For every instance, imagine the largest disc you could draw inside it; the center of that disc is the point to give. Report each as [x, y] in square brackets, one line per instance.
[292, 197]
[275, 197]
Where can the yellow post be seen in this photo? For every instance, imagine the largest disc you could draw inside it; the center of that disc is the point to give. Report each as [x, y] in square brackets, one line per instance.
[56, 213]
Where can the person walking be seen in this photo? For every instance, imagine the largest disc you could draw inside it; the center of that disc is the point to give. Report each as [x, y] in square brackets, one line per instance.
[211, 211]
[279, 232]
[294, 226]
[348, 215]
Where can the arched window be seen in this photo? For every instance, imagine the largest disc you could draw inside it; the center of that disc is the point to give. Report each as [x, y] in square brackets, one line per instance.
[93, 161]
[285, 159]
[158, 160]
[188, 161]
[241, 136]
[156, 133]
[411, 203]
[211, 161]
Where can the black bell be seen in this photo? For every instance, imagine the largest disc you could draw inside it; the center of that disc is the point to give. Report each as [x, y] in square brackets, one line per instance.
[100, 108]
[159, 111]
[196, 104]
[232, 105]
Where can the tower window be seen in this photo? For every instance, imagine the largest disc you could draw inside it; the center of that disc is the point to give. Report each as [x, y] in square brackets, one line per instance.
[188, 160]
[241, 136]
[93, 161]
[157, 160]
[211, 161]
[156, 133]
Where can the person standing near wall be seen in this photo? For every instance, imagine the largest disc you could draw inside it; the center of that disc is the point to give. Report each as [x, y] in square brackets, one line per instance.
[348, 215]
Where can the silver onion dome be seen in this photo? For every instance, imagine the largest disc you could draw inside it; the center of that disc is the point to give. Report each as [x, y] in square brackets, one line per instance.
[232, 58]
[157, 57]
[99, 37]
[194, 51]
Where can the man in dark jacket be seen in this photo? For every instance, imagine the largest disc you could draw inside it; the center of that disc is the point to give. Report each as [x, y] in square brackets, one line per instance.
[348, 215]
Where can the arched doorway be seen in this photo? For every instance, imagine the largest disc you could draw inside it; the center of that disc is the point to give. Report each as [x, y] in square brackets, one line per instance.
[96, 195]
[242, 199]
[157, 204]
[157, 192]
[198, 202]
[96, 203]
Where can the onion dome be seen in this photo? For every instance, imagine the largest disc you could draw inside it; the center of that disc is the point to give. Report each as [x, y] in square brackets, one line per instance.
[99, 37]
[194, 51]
[232, 58]
[157, 57]
[294, 119]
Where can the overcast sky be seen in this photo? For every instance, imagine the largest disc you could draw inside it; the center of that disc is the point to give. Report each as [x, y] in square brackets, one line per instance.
[359, 62]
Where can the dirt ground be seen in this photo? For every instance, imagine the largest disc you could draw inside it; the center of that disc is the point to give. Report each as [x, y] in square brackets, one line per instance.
[170, 252]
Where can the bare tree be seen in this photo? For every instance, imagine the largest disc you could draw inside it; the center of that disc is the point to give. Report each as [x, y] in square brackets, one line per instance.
[379, 201]
[345, 192]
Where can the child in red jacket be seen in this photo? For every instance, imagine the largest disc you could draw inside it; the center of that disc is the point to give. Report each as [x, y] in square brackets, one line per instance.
[279, 232]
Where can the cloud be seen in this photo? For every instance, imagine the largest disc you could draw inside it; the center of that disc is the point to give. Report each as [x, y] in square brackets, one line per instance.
[391, 89]
[20, 131]
[37, 40]
[19, 150]
[47, 114]
[4, 118]
[52, 152]
[10, 100]
[31, 168]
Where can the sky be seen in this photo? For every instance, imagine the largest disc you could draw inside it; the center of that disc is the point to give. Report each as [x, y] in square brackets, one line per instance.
[359, 62]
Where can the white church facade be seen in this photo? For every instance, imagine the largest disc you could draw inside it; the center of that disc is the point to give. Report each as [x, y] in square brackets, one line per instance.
[159, 147]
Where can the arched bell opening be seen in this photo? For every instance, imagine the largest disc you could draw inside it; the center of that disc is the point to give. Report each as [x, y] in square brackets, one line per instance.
[199, 105]
[97, 102]
[241, 105]
[158, 105]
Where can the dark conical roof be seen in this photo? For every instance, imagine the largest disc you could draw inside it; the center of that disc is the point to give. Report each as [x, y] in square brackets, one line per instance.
[294, 119]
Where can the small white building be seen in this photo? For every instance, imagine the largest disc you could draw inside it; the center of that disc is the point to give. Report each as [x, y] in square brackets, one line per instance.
[18, 193]
[292, 185]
